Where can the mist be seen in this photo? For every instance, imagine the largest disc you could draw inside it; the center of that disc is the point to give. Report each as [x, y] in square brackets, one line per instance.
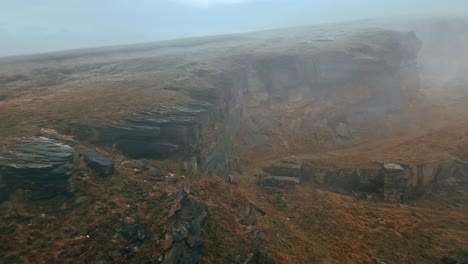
[38, 26]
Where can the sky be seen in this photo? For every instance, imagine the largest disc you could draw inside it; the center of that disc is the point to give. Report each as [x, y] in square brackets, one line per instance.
[36, 26]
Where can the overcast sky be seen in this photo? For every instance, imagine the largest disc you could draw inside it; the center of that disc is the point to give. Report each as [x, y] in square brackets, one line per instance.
[33, 26]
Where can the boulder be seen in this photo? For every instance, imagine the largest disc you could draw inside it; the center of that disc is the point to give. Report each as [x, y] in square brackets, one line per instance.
[157, 174]
[342, 130]
[41, 165]
[102, 165]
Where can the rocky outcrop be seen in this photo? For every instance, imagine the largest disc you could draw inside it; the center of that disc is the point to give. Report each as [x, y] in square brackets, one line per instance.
[283, 173]
[41, 165]
[102, 165]
[393, 182]
[182, 242]
[347, 180]
[193, 132]
[162, 132]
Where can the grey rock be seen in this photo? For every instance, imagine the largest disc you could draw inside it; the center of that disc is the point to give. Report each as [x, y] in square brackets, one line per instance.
[39, 164]
[157, 174]
[104, 166]
[285, 169]
[232, 179]
[342, 130]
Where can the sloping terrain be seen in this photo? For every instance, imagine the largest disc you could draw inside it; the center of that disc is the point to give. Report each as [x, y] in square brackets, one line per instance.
[319, 144]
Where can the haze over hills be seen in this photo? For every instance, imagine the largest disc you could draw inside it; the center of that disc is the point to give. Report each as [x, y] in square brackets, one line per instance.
[48, 25]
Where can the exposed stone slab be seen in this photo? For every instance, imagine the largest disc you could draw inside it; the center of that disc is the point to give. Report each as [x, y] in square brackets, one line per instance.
[40, 164]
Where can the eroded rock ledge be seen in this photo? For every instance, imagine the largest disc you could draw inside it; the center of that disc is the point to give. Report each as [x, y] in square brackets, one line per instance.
[390, 182]
[41, 165]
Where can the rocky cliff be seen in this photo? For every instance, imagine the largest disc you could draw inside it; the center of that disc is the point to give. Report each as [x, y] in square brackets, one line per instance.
[264, 90]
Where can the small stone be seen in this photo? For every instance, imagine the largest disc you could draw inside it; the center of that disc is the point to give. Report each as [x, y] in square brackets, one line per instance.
[64, 206]
[82, 199]
[232, 179]
[168, 240]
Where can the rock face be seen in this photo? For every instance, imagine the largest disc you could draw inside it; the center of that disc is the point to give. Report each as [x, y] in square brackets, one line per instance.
[443, 177]
[394, 182]
[102, 165]
[40, 165]
[348, 84]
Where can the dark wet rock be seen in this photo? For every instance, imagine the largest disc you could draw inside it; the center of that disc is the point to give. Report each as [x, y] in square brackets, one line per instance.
[188, 213]
[136, 233]
[104, 166]
[449, 260]
[40, 164]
